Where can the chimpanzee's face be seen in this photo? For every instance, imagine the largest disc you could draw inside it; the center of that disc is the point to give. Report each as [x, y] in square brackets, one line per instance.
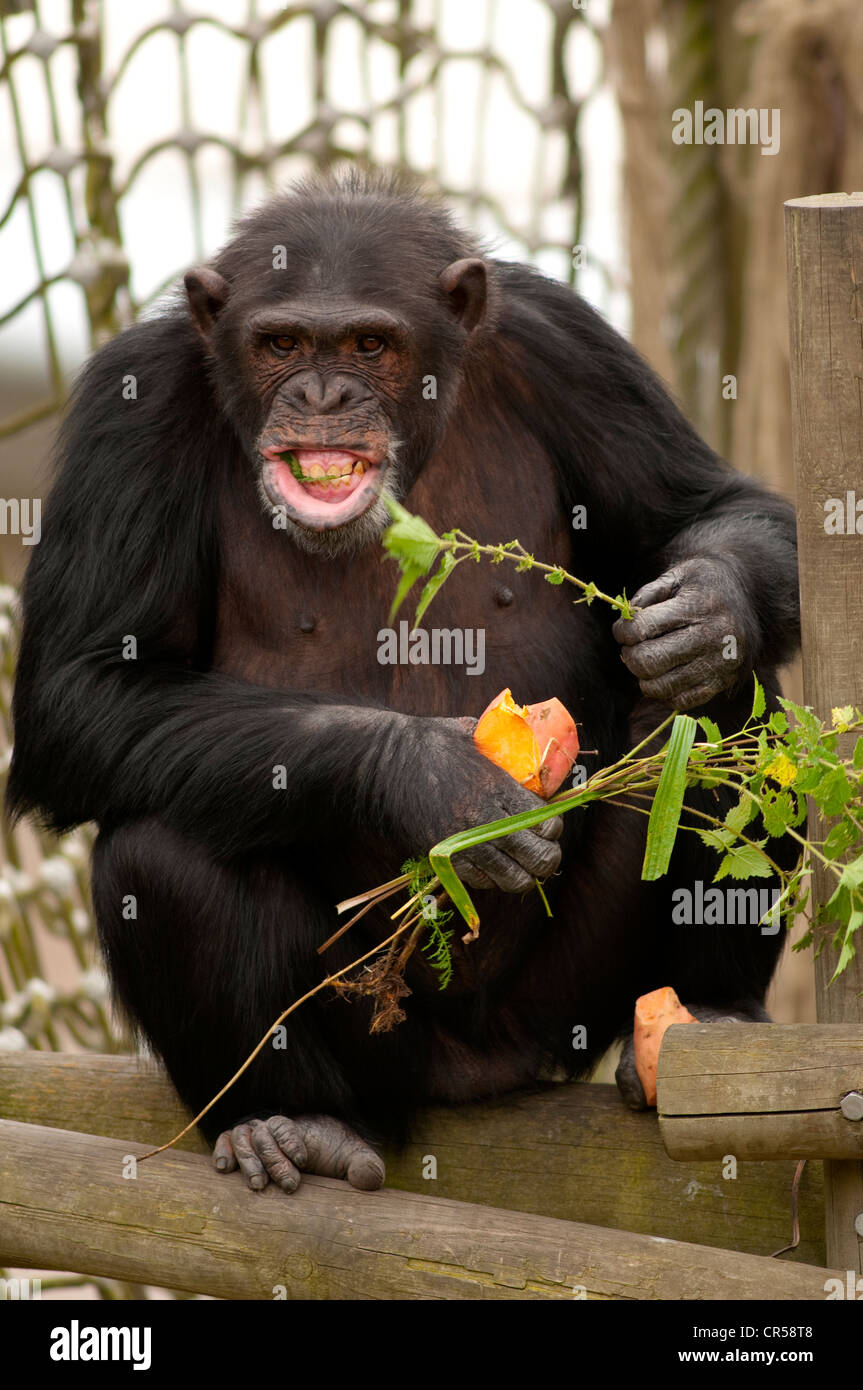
[338, 382]
[324, 369]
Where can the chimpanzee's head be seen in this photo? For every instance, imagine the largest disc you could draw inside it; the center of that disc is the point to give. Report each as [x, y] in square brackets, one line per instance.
[336, 322]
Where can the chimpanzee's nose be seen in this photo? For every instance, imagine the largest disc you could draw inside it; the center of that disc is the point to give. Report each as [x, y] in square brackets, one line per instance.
[316, 393]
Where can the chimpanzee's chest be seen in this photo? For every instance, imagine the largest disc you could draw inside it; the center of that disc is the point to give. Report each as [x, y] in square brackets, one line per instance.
[301, 622]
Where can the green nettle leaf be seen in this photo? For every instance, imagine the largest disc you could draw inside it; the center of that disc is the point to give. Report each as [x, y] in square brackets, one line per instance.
[841, 837]
[758, 702]
[808, 723]
[668, 801]
[410, 539]
[410, 575]
[778, 722]
[744, 861]
[556, 577]
[719, 839]
[590, 593]
[832, 791]
[413, 543]
[857, 760]
[741, 814]
[846, 955]
[852, 874]
[445, 569]
[837, 906]
[805, 941]
[807, 778]
[801, 810]
[778, 813]
[712, 731]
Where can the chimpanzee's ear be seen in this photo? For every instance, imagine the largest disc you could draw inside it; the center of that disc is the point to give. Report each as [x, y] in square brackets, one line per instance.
[466, 284]
[207, 293]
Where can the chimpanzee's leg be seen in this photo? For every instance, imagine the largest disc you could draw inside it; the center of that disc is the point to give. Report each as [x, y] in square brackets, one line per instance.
[204, 956]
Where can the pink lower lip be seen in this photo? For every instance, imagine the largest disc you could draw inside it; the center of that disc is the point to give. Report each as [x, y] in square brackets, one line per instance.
[320, 507]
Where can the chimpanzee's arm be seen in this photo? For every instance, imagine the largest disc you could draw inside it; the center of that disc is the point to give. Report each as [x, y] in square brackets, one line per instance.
[707, 553]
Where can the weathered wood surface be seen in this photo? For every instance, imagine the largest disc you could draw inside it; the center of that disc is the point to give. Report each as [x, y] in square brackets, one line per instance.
[65, 1204]
[573, 1152]
[760, 1091]
[824, 252]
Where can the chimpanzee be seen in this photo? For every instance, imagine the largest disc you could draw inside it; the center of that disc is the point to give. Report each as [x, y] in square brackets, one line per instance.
[199, 670]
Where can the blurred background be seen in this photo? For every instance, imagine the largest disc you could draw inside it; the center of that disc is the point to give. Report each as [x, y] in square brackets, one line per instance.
[132, 134]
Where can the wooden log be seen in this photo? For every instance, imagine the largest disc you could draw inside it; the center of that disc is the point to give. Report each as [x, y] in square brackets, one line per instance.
[761, 1091]
[824, 253]
[65, 1204]
[573, 1152]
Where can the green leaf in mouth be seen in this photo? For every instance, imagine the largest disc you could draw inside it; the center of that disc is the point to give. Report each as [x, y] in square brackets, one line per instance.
[295, 468]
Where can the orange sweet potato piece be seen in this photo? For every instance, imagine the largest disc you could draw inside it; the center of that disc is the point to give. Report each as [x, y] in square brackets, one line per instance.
[654, 1013]
[536, 744]
[557, 736]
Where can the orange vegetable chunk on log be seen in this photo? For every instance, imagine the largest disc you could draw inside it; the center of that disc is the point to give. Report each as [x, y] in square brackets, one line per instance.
[654, 1013]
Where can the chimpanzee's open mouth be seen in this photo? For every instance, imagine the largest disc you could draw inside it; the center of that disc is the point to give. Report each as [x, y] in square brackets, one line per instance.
[321, 488]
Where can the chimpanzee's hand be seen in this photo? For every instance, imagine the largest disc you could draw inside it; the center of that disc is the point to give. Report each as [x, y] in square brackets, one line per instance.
[454, 787]
[679, 646]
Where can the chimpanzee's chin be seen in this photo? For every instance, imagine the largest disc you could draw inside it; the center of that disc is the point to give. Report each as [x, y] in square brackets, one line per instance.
[348, 538]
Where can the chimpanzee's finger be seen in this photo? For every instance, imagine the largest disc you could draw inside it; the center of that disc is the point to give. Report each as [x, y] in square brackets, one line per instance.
[653, 622]
[279, 1167]
[503, 871]
[251, 1166]
[224, 1158]
[657, 590]
[647, 660]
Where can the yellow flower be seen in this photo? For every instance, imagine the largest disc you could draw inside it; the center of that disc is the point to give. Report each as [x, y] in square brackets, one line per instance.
[782, 770]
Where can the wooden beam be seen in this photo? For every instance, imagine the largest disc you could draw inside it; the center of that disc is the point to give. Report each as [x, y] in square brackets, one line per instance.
[824, 252]
[68, 1201]
[572, 1151]
[762, 1091]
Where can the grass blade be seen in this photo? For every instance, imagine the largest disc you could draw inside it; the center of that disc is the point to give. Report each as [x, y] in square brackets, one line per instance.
[668, 801]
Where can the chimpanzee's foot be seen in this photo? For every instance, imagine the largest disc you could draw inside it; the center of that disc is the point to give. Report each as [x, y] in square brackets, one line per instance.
[283, 1149]
[627, 1078]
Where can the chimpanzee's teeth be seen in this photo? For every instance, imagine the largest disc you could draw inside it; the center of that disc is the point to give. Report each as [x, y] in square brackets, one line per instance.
[319, 478]
[336, 479]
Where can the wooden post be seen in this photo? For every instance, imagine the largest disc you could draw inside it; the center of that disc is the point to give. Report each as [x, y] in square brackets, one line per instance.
[761, 1090]
[824, 247]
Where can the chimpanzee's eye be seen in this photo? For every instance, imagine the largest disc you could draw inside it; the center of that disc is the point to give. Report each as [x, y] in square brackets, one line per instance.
[370, 344]
[281, 346]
